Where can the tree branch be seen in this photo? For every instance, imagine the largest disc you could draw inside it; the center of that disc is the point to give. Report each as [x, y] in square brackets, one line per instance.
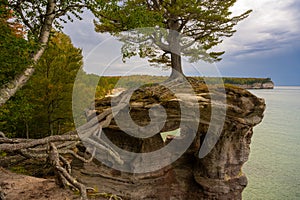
[62, 12]
[19, 10]
[158, 41]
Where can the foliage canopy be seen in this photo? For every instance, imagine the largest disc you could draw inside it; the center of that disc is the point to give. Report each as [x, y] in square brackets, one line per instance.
[44, 106]
[179, 28]
[14, 49]
[39, 19]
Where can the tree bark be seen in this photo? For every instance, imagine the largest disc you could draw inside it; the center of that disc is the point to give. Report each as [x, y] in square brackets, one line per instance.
[9, 89]
[62, 174]
[27, 129]
[174, 43]
[176, 66]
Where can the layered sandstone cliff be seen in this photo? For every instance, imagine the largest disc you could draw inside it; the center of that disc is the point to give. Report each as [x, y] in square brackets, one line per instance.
[217, 175]
[258, 85]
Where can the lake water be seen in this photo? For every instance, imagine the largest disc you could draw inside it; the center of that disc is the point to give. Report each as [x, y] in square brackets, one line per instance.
[273, 169]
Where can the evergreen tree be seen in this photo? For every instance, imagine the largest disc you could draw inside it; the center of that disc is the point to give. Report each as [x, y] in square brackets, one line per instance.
[193, 28]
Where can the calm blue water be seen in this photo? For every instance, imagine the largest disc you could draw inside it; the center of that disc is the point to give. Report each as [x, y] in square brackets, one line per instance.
[273, 169]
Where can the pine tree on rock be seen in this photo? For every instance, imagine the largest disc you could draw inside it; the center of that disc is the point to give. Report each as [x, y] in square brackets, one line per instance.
[187, 28]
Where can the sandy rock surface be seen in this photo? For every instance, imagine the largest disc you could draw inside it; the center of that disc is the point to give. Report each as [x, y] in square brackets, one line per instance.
[21, 187]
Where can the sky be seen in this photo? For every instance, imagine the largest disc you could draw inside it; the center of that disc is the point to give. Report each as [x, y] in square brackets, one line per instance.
[266, 44]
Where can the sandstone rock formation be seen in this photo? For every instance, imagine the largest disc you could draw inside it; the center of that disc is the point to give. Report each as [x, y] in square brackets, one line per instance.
[217, 175]
[258, 85]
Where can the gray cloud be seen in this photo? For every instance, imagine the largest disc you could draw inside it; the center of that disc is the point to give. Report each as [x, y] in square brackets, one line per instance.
[273, 26]
[83, 34]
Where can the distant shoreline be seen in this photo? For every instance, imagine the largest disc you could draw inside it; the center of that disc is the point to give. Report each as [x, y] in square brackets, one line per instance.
[110, 82]
[246, 83]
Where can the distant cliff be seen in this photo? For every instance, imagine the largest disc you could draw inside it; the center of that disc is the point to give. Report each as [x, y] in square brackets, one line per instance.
[245, 83]
[250, 83]
[218, 175]
[268, 85]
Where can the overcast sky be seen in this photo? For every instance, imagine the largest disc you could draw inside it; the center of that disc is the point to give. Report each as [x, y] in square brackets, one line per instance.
[266, 44]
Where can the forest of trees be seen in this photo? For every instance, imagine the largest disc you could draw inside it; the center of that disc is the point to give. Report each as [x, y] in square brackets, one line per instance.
[43, 106]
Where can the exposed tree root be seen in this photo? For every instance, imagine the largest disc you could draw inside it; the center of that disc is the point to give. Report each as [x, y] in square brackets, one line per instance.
[63, 174]
[54, 148]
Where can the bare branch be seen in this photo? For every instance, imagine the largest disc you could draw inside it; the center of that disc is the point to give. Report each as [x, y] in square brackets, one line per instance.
[18, 146]
[19, 10]
[158, 41]
[62, 12]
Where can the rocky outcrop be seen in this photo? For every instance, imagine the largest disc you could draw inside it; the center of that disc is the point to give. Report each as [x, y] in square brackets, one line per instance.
[216, 175]
[258, 85]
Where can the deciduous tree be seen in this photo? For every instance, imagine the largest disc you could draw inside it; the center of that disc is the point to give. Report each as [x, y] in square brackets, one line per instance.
[44, 106]
[14, 49]
[39, 19]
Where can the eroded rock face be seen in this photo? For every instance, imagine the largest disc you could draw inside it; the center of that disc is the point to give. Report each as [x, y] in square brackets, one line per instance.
[218, 175]
[267, 85]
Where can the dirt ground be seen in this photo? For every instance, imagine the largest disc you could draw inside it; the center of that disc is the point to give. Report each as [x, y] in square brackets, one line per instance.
[21, 187]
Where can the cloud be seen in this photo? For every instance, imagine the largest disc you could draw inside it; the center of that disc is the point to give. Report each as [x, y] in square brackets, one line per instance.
[273, 26]
[271, 31]
[83, 34]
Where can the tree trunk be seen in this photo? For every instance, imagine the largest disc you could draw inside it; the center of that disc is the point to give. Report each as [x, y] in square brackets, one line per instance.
[9, 90]
[176, 66]
[27, 130]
